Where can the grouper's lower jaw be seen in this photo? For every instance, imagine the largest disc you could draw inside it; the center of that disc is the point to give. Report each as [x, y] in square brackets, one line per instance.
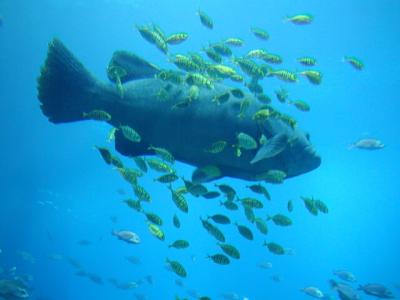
[305, 161]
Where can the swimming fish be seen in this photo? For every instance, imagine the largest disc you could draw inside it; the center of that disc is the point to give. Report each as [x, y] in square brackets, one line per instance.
[301, 19]
[345, 291]
[368, 144]
[377, 290]
[354, 62]
[345, 275]
[205, 19]
[127, 236]
[313, 292]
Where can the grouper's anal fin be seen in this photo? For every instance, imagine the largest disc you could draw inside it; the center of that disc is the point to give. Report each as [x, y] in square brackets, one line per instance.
[129, 148]
[134, 66]
[271, 148]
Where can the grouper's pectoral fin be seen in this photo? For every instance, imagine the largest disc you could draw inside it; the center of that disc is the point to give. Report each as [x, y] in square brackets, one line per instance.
[271, 148]
[133, 67]
[206, 174]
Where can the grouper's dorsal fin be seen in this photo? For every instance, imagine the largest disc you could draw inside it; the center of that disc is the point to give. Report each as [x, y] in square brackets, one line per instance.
[134, 67]
[272, 147]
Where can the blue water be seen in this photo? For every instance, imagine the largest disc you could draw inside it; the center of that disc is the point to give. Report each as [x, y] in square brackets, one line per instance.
[56, 190]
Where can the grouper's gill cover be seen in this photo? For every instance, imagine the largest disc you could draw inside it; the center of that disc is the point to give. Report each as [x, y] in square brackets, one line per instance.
[67, 90]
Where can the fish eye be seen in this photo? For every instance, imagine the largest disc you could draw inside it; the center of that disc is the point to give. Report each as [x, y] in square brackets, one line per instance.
[308, 136]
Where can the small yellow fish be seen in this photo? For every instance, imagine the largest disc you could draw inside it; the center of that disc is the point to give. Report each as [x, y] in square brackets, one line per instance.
[301, 19]
[216, 147]
[130, 134]
[244, 106]
[199, 80]
[98, 115]
[111, 135]
[354, 62]
[315, 77]
[284, 75]
[234, 42]
[307, 61]
[185, 63]
[260, 33]
[116, 73]
[300, 105]
[176, 38]
[156, 231]
[222, 70]
[244, 141]
[205, 19]
[262, 115]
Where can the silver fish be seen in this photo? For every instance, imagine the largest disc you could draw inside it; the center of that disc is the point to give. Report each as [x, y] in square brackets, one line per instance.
[377, 290]
[345, 275]
[127, 236]
[313, 292]
[367, 144]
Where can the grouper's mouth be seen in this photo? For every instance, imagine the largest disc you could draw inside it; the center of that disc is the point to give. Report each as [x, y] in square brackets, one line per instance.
[303, 161]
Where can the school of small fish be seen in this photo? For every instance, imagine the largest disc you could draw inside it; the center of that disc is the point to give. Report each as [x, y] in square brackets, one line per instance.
[219, 64]
[199, 72]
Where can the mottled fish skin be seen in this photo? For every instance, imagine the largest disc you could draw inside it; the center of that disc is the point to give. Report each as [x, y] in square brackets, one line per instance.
[140, 104]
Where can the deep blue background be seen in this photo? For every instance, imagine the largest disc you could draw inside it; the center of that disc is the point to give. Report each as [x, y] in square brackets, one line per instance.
[43, 162]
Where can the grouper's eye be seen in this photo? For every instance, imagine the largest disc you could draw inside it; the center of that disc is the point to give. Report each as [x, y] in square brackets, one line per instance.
[308, 136]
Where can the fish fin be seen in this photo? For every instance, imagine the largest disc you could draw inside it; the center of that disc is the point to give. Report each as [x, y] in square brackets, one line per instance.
[271, 148]
[64, 85]
[135, 66]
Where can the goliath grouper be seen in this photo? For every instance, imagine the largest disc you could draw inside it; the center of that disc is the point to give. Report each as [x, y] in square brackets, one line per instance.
[67, 91]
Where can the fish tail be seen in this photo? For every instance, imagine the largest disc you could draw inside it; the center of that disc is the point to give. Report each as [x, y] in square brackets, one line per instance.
[350, 147]
[65, 87]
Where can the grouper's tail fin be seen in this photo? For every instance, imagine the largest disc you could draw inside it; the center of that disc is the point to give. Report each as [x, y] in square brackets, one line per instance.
[64, 85]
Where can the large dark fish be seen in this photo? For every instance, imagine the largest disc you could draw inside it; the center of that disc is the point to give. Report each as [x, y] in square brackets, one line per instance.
[66, 90]
[377, 290]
